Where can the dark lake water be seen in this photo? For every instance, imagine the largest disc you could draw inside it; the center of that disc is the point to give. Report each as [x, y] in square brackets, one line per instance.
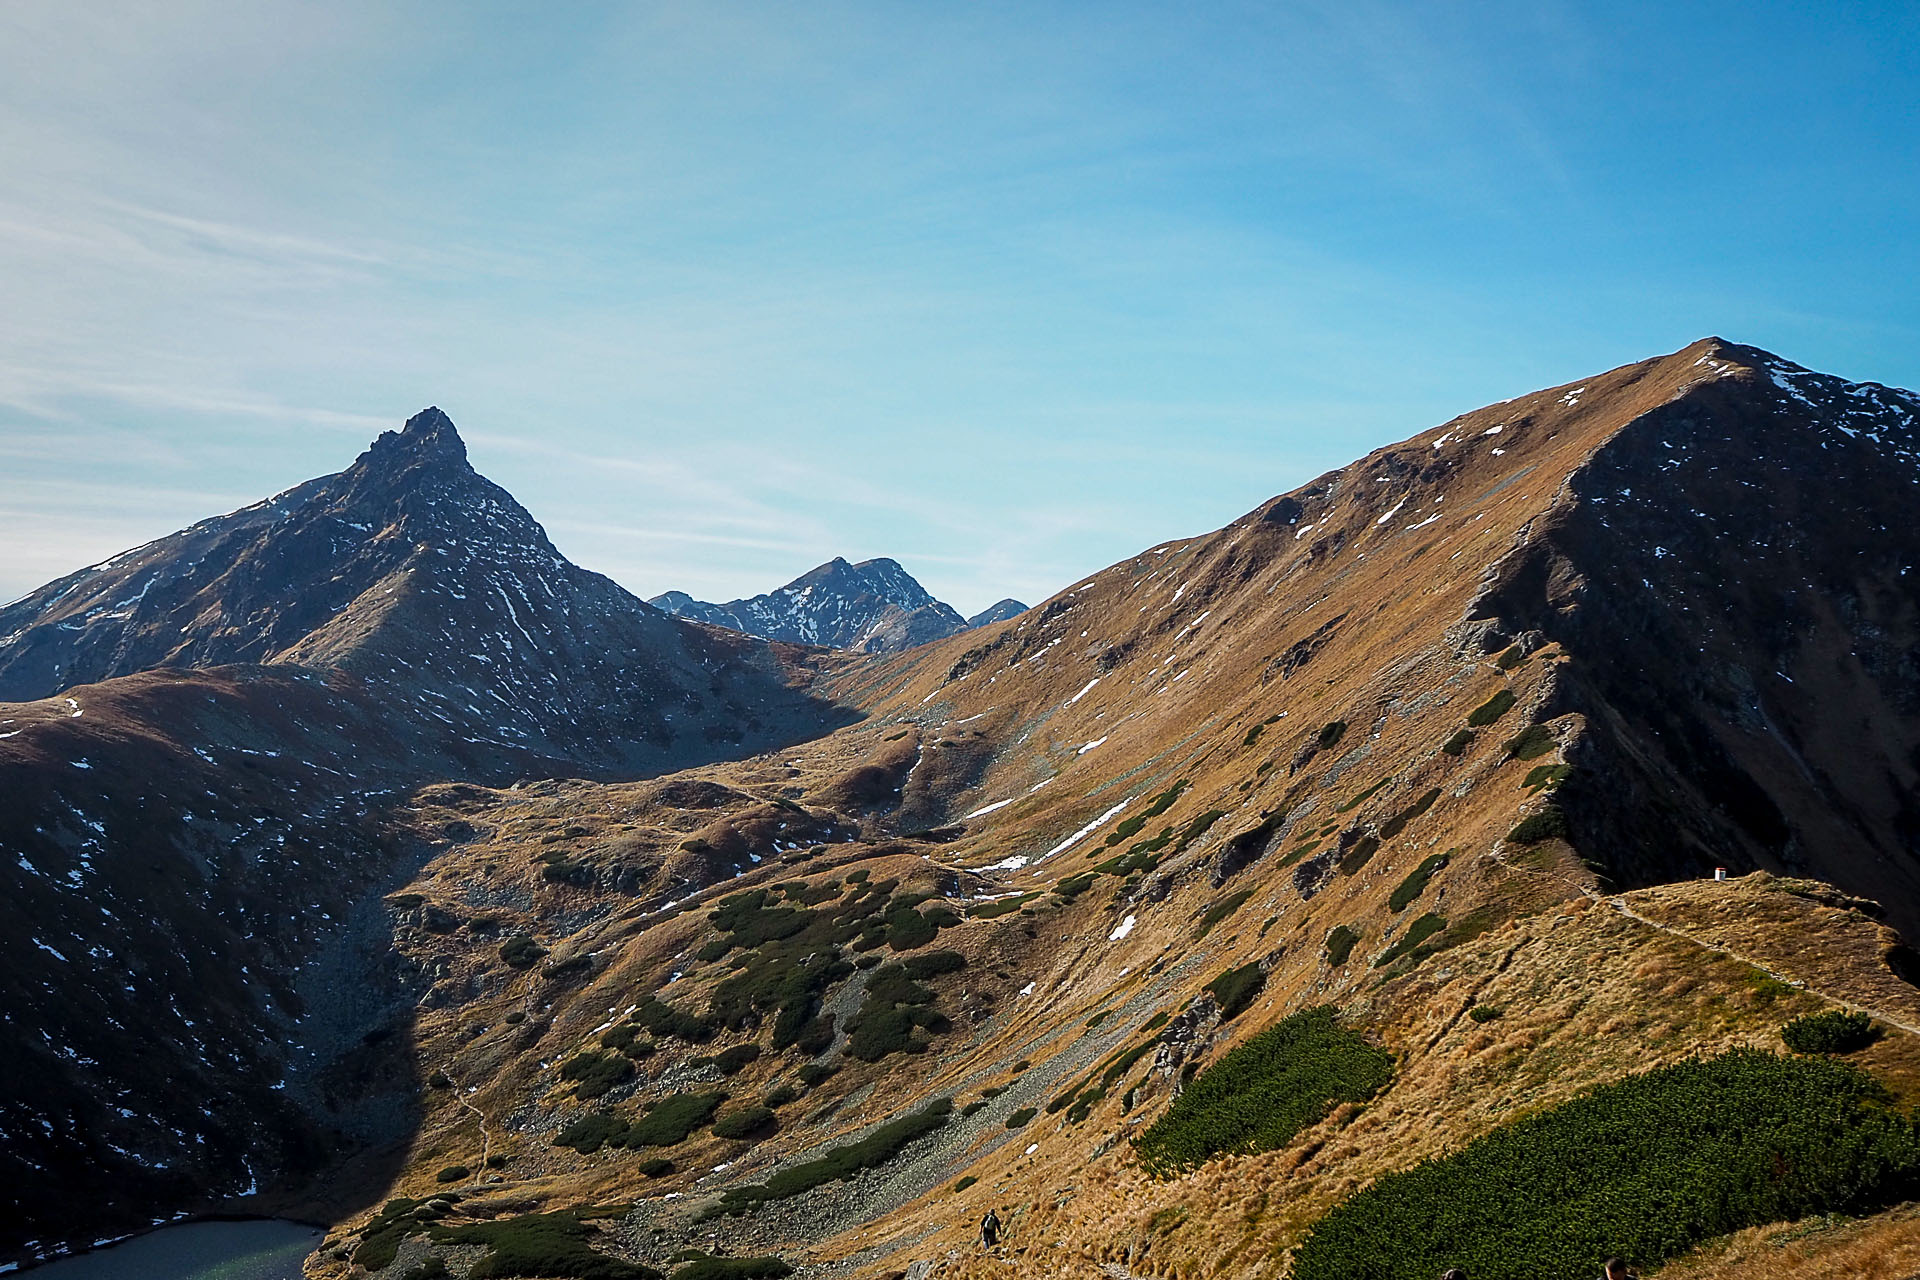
[259, 1250]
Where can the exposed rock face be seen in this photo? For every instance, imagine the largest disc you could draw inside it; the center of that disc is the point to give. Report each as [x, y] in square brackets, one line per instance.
[435, 589]
[874, 606]
[1742, 605]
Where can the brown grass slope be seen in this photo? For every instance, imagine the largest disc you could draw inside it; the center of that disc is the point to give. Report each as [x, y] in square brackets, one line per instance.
[1271, 727]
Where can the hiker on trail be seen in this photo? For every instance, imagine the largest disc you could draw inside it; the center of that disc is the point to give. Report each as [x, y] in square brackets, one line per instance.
[990, 1230]
[1616, 1269]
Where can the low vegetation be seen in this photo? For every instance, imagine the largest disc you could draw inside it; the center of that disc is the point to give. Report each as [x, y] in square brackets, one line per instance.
[839, 1164]
[544, 1244]
[1492, 709]
[1549, 823]
[1398, 822]
[1645, 1168]
[894, 1007]
[521, 951]
[1416, 882]
[1834, 1031]
[746, 1123]
[1220, 911]
[1237, 988]
[1530, 743]
[1262, 1093]
[725, 1268]
[594, 1072]
[667, 1123]
[1340, 943]
[1001, 906]
[1408, 943]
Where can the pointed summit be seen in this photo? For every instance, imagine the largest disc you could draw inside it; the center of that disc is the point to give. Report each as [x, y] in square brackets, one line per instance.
[429, 437]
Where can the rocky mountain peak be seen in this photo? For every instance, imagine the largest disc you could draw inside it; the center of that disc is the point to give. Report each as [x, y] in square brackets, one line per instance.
[875, 606]
[428, 444]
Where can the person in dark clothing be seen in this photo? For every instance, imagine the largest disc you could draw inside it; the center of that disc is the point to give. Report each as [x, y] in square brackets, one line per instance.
[1454, 1273]
[990, 1230]
[1616, 1269]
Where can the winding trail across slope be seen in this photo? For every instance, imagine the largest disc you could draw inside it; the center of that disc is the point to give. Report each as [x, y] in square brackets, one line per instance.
[1619, 903]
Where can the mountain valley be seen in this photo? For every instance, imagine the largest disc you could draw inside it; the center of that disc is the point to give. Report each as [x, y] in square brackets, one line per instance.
[1198, 921]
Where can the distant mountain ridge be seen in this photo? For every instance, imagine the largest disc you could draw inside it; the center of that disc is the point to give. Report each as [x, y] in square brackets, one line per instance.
[431, 586]
[873, 607]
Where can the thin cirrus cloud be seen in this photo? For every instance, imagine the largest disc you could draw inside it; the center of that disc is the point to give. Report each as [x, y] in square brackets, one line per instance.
[1006, 293]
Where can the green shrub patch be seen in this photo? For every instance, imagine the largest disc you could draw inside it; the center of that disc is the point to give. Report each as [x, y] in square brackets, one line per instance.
[672, 1119]
[1220, 911]
[1158, 805]
[521, 951]
[731, 1061]
[933, 964]
[1021, 1118]
[1547, 776]
[1547, 824]
[1457, 745]
[1340, 942]
[747, 1122]
[452, 1173]
[909, 929]
[1492, 709]
[894, 1005]
[1330, 734]
[1197, 828]
[1417, 932]
[543, 1244]
[1530, 743]
[1262, 1093]
[1416, 882]
[841, 1163]
[1398, 822]
[1365, 796]
[667, 1123]
[1834, 1031]
[593, 1072]
[1235, 989]
[814, 1074]
[1485, 1013]
[724, 1268]
[1645, 1168]
[1000, 906]
[1357, 857]
[662, 1019]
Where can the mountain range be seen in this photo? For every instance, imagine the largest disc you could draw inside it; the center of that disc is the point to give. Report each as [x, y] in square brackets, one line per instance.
[873, 607]
[1437, 865]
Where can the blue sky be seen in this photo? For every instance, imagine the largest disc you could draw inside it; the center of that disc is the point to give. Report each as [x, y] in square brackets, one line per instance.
[1005, 291]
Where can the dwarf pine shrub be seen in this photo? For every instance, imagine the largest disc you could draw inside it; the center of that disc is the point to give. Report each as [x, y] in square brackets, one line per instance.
[1262, 1093]
[1645, 1168]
